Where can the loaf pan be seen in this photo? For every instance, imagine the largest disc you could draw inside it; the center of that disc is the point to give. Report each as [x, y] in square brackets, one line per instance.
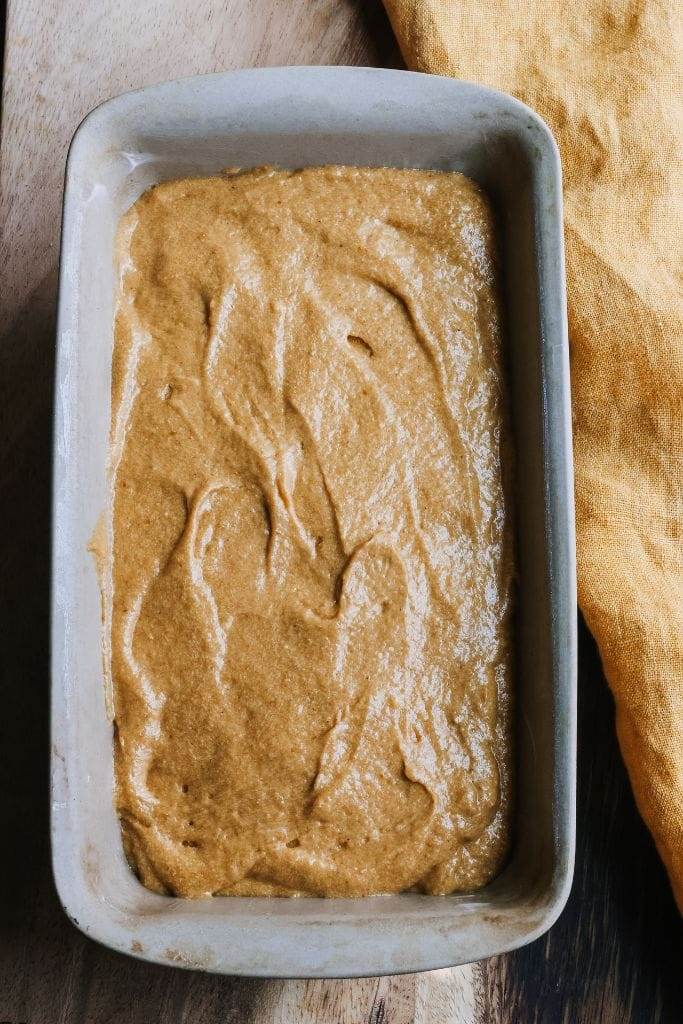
[295, 117]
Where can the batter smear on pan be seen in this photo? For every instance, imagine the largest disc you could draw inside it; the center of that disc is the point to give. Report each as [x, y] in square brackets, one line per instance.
[310, 579]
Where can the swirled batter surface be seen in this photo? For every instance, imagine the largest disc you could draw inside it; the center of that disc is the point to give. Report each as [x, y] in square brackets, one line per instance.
[311, 572]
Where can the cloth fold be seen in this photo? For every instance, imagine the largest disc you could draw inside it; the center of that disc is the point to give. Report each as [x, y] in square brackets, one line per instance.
[607, 77]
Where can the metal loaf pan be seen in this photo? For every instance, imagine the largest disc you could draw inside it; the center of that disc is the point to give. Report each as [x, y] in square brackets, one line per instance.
[296, 117]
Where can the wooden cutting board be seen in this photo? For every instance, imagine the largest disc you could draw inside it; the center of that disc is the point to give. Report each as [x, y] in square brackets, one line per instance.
[62, 60]
[602, 962]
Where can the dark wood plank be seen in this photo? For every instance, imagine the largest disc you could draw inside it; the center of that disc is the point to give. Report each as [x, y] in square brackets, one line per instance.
[616, 952]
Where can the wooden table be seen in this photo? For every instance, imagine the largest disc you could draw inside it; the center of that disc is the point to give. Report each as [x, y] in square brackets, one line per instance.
[615, 954]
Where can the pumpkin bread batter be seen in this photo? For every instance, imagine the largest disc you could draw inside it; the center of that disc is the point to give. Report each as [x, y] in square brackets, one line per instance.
[311, 574]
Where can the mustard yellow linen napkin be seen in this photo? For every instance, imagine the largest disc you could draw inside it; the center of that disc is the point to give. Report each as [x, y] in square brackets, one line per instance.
[607, 78]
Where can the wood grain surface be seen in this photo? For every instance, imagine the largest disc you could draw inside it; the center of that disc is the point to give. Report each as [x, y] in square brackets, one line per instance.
[614, 955]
